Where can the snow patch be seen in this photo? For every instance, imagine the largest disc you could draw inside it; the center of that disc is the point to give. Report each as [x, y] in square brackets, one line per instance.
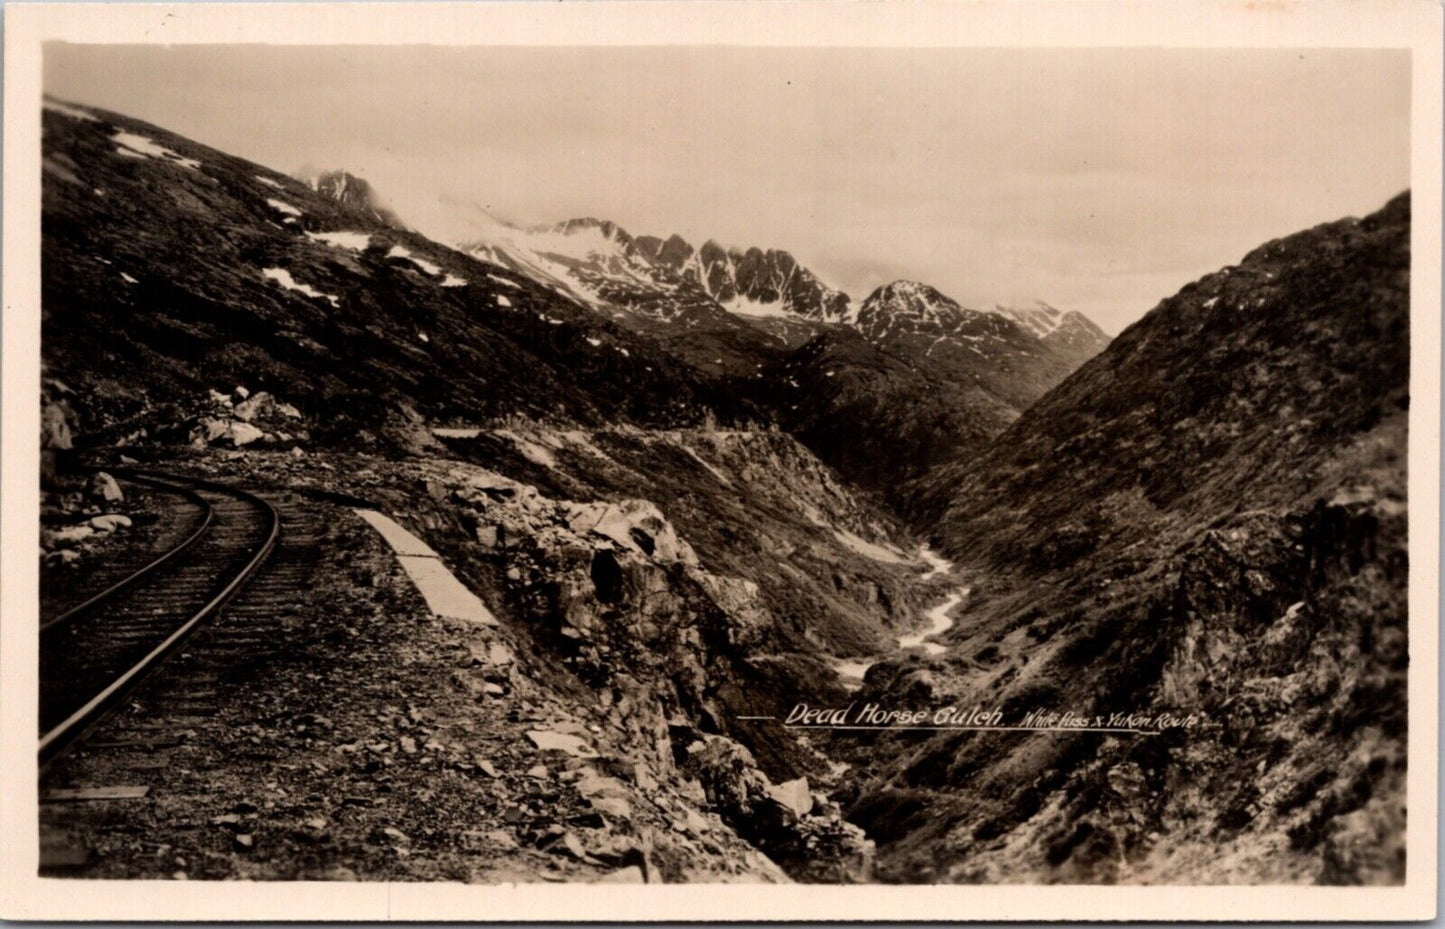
[502, 280]
[269, 182]
[744, 306]
[138, 146]
[593, 342]
[503, 301]
[398, 251]
[55, 106]
[451, 280]
[284, 278]
[128, 279]
[356, 241]
[281, 206]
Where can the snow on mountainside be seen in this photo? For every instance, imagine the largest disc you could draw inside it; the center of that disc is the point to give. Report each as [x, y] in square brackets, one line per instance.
[604, 262]
[653, 286]
[752, 282]
[992, 350]
[940, 379]
[731, 311]
[217, 270]
[1068, 331]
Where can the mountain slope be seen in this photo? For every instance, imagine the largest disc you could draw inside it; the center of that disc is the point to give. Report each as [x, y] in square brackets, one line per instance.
[1208, 519]
[877, 418]
[912, 380]
[170, 268]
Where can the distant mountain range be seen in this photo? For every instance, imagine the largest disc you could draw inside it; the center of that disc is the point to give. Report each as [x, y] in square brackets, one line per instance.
[956, 376]
[600, 261]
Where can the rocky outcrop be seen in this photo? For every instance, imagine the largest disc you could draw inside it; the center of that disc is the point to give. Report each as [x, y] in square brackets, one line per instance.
[350, 191]
[668, 648]
[802, 831]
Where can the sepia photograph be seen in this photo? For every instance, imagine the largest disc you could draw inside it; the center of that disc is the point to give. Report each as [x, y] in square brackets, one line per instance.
[515, 464]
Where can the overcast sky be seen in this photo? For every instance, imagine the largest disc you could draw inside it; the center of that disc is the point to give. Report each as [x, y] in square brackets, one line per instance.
[1098, 180]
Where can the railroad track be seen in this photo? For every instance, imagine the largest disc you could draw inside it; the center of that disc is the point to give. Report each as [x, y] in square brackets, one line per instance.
[93, 656]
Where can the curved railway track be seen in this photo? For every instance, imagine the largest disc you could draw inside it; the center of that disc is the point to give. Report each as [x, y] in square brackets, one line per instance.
[93, 656]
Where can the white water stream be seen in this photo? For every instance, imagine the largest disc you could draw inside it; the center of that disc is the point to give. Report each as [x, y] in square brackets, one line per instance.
[939, 622]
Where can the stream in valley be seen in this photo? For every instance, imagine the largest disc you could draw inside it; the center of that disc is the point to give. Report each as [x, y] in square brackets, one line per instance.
[939, 622]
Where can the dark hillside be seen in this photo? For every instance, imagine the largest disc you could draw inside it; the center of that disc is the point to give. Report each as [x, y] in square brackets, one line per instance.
[1209, 518]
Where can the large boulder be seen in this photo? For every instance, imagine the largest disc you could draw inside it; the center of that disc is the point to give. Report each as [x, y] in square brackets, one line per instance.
[105, 488]
[748, 620]
[110, 522]
[794, 795]
[240, 434]
[634, 524]
[55, 426]
[260, 403]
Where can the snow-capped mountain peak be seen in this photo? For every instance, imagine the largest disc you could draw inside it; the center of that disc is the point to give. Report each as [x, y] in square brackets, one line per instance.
[1068, 331]
[666, 278]
[910, 301]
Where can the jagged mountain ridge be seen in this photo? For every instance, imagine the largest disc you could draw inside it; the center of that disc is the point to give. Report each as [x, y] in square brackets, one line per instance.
[1208, 518]
[993, 350]
[940, 379]
[596, 253]
[659, 282]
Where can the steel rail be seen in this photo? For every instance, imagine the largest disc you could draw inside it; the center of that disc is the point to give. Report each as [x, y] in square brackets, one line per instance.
[68, 732]
[148, 569]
